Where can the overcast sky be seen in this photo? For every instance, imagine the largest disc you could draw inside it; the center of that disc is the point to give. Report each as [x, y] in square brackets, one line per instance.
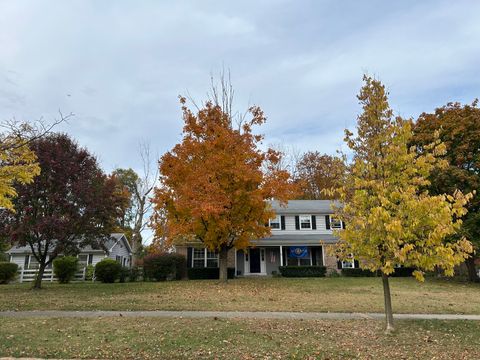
[120, 65]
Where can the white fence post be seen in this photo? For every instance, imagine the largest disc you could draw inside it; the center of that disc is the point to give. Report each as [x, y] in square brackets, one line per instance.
[51, 275]
[21, 276]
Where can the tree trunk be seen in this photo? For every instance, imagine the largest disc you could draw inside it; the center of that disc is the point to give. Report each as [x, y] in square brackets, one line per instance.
[223, 266]
[388, 304]
[37, 284]
[135, 246]
[472, 270]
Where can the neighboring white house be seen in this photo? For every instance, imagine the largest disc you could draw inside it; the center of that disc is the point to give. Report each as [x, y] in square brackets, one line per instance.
[117, 248]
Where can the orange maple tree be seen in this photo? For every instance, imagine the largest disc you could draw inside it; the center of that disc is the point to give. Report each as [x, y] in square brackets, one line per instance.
[215, 183]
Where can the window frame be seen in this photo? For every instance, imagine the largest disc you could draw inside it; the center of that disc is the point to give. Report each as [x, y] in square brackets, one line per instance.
[206, 256]
[339, 225]
[276, 220]
[299, 259]
[305, 217]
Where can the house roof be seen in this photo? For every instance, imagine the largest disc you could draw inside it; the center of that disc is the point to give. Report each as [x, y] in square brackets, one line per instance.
[304, 206]
[109, 244]
[296, 239]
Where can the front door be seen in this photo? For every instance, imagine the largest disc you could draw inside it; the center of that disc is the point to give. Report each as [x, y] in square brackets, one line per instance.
[255, 260]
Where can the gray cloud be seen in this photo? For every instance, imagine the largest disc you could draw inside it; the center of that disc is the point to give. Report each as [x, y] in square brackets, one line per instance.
[120, 65]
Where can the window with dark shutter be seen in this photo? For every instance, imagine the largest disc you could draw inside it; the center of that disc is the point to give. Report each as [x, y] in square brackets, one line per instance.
[314, 222]
[297, 222]
[339, 265]
[327, 222]
[343, 225]
[282, 220]
[356, 265]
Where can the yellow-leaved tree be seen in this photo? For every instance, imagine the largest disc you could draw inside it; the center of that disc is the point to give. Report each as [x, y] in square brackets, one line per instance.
[391, 219]
[17, 165]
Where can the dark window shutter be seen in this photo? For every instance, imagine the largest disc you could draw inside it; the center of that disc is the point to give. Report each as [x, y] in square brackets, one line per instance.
[189, 257]
[356, 264]
[282, 221]
[343, 224]
[297, 222]
[314, 255]
[327, 222]
[314, 222]
[339, 265]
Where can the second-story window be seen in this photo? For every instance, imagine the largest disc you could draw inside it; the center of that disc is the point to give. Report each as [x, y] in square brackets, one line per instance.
[335, 223]
[305, 222]
[275, 223]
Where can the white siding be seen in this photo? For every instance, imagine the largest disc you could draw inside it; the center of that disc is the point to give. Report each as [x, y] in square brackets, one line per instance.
[97, 258]
[18, 259]
[120, 249]
[290, 226]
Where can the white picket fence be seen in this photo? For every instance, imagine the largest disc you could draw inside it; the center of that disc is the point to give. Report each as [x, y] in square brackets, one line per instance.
[29, 275]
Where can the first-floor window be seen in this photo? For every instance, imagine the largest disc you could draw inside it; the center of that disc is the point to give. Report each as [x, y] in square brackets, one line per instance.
[198, 258]
[305, 261]
[118, 258]
[348, 264]
[204, 258]
[212, 258]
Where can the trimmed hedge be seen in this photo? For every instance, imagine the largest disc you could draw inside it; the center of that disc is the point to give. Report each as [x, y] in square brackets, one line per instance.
[165, 266]
[8, 271]
[358, 272]
[65, 268]
[107, 270]
[208, 273]
[303, 271]
[403, 272]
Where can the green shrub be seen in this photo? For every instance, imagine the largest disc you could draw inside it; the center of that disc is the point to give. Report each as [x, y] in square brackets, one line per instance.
[124, 274]
[3, 257]
[89, 272]
[302, 271]
[358, 272]
[208, 273]
[8, 271]
[107, 270]
[332, 273]
[164, 266]
[65, 268]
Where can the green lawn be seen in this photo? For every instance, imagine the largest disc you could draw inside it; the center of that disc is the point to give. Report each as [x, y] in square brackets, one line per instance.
[121, 338]
[252, 294]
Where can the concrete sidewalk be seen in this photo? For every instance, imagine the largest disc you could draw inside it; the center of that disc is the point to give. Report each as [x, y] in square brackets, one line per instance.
[230, 315]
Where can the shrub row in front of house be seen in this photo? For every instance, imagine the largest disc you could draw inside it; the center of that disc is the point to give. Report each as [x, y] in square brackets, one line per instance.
[357, 272]
[302, 271]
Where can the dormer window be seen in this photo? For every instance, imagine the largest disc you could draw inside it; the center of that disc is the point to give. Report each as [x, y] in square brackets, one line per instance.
[305, 222]
[275, 223]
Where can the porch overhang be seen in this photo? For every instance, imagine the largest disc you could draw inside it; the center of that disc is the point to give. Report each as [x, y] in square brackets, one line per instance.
[295, 240]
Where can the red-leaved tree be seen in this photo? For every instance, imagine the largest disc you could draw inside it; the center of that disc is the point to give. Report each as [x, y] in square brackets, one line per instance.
[71, 204]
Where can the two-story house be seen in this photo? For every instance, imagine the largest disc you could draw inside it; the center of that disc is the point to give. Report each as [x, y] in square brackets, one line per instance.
[301, 233]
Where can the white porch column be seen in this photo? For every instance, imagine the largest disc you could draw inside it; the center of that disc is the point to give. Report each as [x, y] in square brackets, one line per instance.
[281, 255]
